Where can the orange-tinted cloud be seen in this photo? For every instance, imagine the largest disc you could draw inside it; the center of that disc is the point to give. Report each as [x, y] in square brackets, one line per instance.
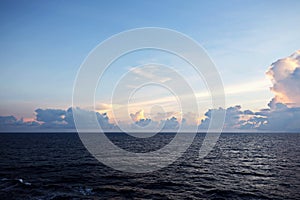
[137, 116]
[285, 76]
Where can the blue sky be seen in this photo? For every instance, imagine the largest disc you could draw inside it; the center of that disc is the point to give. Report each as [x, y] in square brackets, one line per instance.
[43, 44]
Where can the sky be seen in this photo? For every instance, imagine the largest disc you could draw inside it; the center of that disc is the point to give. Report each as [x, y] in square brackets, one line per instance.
[43, 44]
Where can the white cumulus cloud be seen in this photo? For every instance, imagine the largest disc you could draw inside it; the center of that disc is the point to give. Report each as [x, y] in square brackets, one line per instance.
[285, 76]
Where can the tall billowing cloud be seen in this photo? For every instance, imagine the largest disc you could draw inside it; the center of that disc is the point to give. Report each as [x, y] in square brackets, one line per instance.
[285, 76]
[284, 112]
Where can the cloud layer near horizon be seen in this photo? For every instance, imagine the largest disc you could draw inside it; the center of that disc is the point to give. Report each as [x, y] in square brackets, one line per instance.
[283, 113]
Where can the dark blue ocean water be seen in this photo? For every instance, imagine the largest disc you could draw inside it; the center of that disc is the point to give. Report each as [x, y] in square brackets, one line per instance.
[241, 166]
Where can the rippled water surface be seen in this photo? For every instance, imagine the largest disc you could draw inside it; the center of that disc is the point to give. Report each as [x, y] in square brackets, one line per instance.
[241, 166]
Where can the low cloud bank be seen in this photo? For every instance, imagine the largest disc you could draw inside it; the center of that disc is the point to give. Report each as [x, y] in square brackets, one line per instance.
[282, 114]
[50, 119]
[11, 123]
[278, 118]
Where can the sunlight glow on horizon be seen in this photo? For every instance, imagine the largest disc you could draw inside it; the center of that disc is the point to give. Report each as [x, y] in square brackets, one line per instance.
[168, 102]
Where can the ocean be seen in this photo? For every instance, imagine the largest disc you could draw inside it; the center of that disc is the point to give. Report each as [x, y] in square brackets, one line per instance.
[241, 166]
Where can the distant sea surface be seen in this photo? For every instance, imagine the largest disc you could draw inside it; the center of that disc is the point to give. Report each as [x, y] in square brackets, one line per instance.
[241, 166]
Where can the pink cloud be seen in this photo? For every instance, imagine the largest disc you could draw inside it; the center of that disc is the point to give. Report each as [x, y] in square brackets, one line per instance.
[285, 76]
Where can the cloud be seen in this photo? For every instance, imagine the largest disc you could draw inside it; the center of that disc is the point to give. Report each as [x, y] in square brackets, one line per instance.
[166, 121]
[232, 118]
[285, 76]
[160, 116]
[160, 121]
[11, 122]
[59, 119]
[253, 123]
[50, 115]
[280, 118]
[6, 120]
[283, 113]
[170, 124]
[85, 118]
[143, 122]
[104, 121]
[248, 112]
[69, 118]
[137, 116]
[51, 119]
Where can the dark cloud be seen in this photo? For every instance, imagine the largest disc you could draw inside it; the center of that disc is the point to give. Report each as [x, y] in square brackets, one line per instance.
[280, 118]
[170, 124]
[143, 122]
[104, 121]
[50, 119]
[50, 115]
[248, 112]
[69, 118]
[232, 117]
[10, 122]
[7, 120]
